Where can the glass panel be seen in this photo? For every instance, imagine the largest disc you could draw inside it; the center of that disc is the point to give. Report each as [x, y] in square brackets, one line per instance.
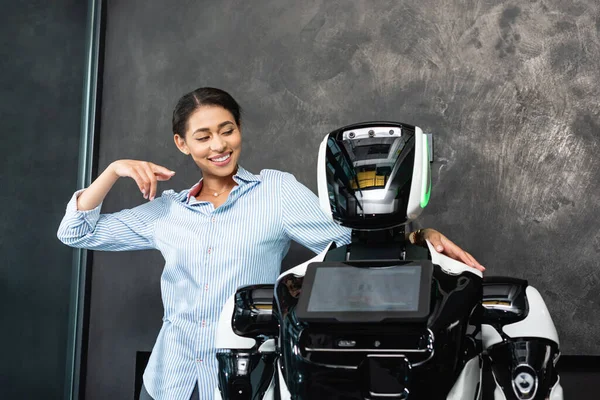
[365, 289]
[369, 179]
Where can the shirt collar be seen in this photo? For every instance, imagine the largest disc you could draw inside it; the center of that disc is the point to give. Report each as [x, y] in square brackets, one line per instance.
[242, 177]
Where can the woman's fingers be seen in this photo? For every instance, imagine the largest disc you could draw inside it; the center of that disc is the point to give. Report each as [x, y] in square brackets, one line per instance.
[147, 182]
[475, 262]
[146, 169]
[144, 173]
[461, 255]
[162, 173]
[457, 253]
[139, 171]
[447, 247]
[156, 173]
[435, 238]
[451, 249]
[139, 180]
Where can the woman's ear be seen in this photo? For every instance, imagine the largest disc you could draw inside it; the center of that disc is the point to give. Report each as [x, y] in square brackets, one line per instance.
[181, 144]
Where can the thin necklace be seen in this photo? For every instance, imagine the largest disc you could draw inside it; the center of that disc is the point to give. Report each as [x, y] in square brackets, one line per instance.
[217, 194]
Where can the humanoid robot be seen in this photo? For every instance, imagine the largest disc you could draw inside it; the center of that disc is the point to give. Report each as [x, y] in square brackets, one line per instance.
[381, 318]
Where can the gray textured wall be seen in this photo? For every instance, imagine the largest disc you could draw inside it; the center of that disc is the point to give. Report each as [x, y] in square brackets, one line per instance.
[509, 88]
[41, 82]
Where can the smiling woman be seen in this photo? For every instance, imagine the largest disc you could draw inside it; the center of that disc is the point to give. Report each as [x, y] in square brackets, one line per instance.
[206, 125]
[230, 229]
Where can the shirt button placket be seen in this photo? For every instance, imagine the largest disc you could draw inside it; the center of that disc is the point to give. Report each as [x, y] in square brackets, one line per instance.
[213, 219]
[211, 230]
[203, 323]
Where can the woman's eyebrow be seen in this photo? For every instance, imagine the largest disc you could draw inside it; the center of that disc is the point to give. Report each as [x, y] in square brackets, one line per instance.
[221, 125]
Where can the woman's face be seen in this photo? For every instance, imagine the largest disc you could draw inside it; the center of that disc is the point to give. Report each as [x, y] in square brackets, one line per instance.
[214, 141]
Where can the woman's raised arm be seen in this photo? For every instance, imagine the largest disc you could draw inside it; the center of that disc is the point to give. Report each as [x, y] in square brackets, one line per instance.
[144, 173]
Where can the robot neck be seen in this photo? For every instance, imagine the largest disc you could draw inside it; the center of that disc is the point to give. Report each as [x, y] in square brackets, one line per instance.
[388, 244]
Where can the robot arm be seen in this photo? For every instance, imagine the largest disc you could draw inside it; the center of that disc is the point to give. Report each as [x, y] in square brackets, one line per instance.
[245, 343]
[521, 341]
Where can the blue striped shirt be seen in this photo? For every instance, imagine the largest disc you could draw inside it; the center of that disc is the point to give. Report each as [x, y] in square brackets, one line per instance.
[208, 254]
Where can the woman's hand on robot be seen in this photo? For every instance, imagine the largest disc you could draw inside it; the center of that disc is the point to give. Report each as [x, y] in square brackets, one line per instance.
[445, 246]
[144, 173]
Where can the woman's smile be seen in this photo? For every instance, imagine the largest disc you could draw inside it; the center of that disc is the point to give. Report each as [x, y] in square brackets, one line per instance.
[221, 160]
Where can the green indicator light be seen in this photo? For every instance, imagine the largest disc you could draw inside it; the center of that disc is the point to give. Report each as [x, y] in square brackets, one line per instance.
[426, 175]
[425, 199]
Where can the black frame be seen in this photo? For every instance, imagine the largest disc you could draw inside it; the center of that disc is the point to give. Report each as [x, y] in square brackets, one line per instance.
[420, 315]
[77, 341]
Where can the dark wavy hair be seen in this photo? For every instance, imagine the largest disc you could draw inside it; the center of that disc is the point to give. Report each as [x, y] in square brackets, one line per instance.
[204, 96]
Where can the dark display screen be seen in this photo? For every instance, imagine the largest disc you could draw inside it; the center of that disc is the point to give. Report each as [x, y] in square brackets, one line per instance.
[344, 289]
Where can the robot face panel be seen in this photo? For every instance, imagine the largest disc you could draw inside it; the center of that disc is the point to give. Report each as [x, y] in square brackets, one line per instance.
[374, 175]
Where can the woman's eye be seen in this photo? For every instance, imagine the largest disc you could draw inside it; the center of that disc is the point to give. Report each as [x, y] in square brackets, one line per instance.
[229, 132]
[202, 139]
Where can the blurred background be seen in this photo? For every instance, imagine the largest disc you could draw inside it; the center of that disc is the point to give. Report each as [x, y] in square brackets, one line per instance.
[509, 89]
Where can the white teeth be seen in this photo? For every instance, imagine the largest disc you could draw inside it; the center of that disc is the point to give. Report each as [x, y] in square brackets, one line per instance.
[222, 158]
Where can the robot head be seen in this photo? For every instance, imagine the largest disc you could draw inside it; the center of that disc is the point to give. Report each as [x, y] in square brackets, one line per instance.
[374, 175]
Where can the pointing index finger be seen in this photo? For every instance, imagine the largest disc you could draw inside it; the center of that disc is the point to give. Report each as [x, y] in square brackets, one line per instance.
[162, 172]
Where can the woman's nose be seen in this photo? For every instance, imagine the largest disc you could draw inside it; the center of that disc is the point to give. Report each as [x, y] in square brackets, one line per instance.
[218, 144]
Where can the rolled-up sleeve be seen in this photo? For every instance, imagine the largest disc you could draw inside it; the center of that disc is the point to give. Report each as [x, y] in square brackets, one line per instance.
[130, 229]
[303, 219]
